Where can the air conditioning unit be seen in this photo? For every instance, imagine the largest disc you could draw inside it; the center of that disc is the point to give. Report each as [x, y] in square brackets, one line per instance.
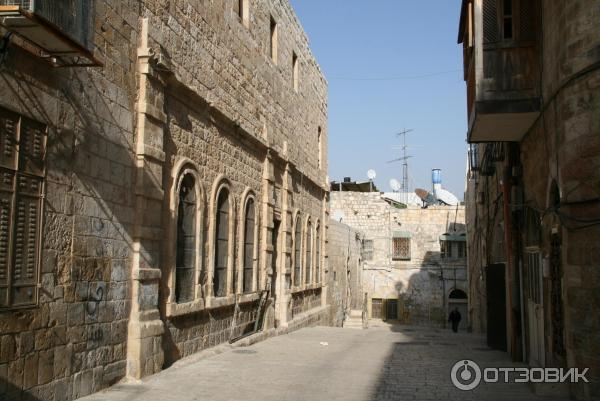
[60, 29]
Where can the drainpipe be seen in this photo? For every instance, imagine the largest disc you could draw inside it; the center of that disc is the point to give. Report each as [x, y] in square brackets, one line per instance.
[506, 188]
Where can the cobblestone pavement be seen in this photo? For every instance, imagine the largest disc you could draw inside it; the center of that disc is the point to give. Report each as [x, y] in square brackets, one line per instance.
[383, 363]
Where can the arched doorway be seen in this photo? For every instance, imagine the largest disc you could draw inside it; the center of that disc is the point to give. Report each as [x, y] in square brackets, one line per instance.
[457, 298]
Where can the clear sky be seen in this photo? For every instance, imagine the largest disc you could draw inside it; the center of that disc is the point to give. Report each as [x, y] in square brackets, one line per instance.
[391, 65]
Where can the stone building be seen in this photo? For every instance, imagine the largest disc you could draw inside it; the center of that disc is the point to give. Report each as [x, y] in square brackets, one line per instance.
[163, 192]
[413, 258]
[533, 198]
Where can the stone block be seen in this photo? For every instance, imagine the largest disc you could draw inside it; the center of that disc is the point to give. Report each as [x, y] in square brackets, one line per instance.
[46, 367]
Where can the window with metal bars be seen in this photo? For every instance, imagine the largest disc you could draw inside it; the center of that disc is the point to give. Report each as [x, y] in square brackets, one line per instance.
[249, 226]
[401, 249]
[309, 253]
[367, 250]
[22, 170]
[298, 254]
[222, 244]
[318, 254]
[186, 240]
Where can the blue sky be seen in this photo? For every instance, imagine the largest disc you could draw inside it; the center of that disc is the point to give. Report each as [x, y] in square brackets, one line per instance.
[360, 45]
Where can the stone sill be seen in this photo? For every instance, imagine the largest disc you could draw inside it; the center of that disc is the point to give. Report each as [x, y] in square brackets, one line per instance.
[308, 287]
[175, 309]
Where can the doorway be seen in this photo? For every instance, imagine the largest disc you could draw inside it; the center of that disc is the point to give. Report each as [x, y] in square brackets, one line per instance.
[535, 310]
[457, 299]
[496, 306]
[377, 308]
[391, 309]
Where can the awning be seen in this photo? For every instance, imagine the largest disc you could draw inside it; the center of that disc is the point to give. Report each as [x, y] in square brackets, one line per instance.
[453, 237]
[401, 234]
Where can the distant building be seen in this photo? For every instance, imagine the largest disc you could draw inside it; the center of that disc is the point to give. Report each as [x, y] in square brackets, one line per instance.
[532, 70]
[413, 259]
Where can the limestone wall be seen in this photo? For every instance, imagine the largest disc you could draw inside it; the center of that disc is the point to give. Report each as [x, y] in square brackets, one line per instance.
[422, 284]
[183, 84]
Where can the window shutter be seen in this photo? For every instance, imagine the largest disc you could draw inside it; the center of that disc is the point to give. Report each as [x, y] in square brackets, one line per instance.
[527, 24]
[222, 249]
[6, 196]
[186, 241]
[490, 21]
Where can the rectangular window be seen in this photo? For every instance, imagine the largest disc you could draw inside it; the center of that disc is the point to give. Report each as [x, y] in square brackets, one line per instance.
[22, 166]
[401, 249]
[242, 9]
[507, 19]
[273, 40]
[295, 71]
[367, 250]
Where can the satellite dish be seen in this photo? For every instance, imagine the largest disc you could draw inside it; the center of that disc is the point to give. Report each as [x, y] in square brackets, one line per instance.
[338, 215]
[447, 197]
[395, 185]
[371, 174]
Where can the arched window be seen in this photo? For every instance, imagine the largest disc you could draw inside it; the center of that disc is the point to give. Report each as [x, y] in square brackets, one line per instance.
[297, 254]
[249, 222]
[222, 244]
[309, 245]
[318, 254]
[186, 240]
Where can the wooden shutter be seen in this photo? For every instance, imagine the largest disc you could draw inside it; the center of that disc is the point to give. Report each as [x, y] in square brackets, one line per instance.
[527, 20]
[490, 22]
[222, 246]
[249, 225]
[186, 241]
[22, 154]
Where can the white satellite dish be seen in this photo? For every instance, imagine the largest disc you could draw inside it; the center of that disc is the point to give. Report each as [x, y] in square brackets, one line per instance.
[338, 215]
[395, 185]
[371, 174]
[447, 197]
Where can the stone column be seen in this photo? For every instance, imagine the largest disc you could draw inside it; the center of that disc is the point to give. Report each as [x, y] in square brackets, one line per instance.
[266, 260]
[144, 349]
[284, 274]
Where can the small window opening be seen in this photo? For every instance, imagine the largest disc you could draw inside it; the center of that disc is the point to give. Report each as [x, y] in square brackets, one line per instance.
[508, 19]
[273, 40]
[295, 71]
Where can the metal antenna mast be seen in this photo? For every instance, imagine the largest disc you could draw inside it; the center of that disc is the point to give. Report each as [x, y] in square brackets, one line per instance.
[404, 160]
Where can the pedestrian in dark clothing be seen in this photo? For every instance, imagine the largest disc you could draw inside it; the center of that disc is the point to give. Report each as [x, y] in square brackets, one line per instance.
[454, 319]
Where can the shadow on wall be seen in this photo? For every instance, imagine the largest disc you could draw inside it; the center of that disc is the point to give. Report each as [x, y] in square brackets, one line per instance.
[8, 392]
[423, 301]
[89, 204]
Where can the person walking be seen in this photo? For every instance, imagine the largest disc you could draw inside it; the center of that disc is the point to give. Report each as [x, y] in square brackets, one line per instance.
[454, 318]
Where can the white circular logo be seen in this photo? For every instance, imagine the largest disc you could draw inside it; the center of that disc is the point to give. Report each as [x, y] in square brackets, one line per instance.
[465, 375]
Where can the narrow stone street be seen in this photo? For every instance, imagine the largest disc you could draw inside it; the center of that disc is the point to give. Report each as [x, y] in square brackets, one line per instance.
[385, 362]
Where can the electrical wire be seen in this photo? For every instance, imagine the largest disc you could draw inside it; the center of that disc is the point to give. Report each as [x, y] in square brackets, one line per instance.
[398, 78]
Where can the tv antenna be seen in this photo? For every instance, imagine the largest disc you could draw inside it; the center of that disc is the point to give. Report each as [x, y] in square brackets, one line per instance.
[404, 160]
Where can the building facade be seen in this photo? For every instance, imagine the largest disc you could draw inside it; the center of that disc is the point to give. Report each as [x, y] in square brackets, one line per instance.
[413, 258]
[533, 198]
[169, 199]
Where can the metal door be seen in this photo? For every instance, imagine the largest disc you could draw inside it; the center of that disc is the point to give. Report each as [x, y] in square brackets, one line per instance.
[535, 310]
[377, 308]
[391, 309]
[496, 306]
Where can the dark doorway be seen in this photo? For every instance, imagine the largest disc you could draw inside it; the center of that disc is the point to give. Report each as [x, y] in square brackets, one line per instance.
[377, 308]
[496, 306]
[275, 240]
[391, 309]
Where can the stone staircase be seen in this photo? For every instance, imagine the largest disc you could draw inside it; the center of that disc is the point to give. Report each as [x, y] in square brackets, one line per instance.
[354, 320]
